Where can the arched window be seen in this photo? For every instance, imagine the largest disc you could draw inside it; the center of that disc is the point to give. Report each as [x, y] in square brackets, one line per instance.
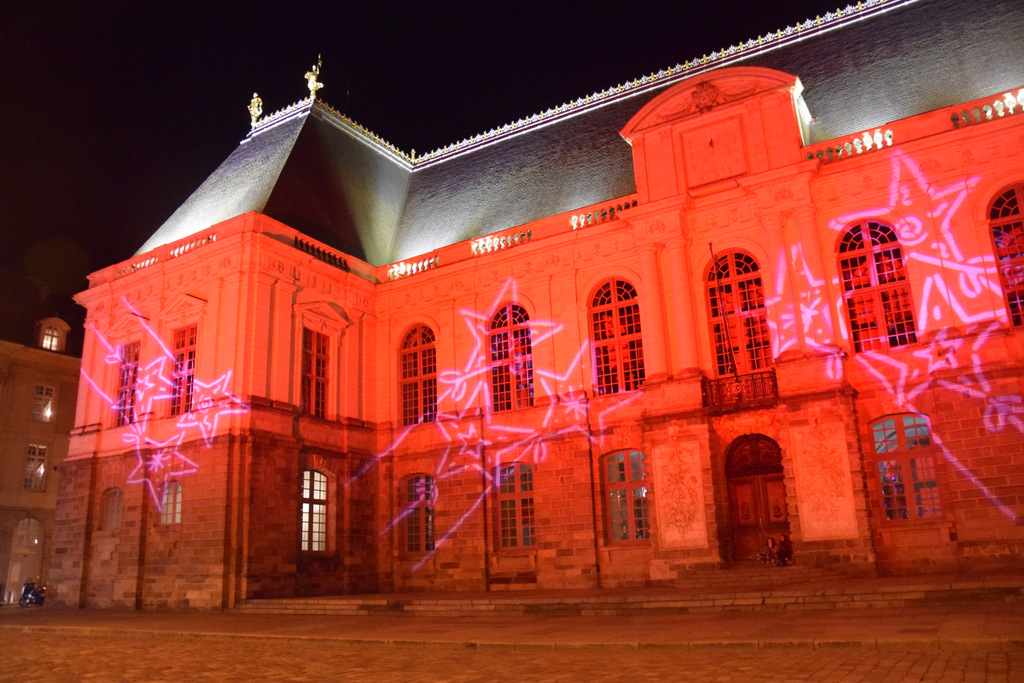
[618, 347]
[904, 465]
[418, 496]
[111, 509]
[515, 505]
[625, 490]
[739, 320]
[1007, 226]
[511, 359]
[28, 536]
[51, 339]
[875, 286]
[419, 376]
[314, 511]
[170, 503]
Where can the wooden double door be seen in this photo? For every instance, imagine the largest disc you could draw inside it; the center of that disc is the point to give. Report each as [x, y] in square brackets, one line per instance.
[757, 494]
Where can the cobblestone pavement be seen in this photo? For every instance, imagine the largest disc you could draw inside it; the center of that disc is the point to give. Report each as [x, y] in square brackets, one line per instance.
[55, 656]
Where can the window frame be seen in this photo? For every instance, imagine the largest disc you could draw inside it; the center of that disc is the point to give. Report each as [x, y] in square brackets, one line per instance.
[740, 339]
[127, 384]
[626, 504]
[417, 371]
[171, 495]
[34, 478]
[113, 509]
[510, 349]
[314, 511]
[418, 493]
[44, 403]
[315, 373]
[515, 508]
[616, 337]
[51, 340]
[1006, 232]
[876, 291]
[184, 350]
[903, 453]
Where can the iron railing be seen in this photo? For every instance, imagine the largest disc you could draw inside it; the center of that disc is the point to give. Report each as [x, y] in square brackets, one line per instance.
[756, 388]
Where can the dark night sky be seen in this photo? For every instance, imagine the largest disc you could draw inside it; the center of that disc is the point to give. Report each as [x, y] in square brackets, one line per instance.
[114, 111]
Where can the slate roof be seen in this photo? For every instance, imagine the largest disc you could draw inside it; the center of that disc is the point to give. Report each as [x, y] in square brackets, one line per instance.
[314, 170]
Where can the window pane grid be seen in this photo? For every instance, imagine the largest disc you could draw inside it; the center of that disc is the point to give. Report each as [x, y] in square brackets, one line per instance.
[617, 341]
[183, 373]
[1008, 241]
[128, 377]
[739, 322]
[42, 408]
[511, 359]
[419, 514]
[913, 436]
[35, 469]
[515, 506]
[315, 349]
[626, 496]
[314, 511]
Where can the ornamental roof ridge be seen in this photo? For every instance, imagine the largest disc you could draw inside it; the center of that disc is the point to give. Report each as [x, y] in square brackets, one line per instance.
[718, 59]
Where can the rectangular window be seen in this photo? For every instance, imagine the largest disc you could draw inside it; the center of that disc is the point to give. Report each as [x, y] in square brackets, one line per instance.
[626, 495]
[184, 372]
[314, 511]
[35, 469]
[42, 409]
[907, 477]
[170, 503]
[515, 505]
[314, 373]
[128, 377]
[419, 514]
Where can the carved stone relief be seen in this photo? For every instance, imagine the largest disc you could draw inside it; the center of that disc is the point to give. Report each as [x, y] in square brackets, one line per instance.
[679, 483]
[824, 485]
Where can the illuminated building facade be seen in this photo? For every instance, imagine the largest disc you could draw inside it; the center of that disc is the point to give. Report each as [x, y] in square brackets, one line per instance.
[631, 336]
[38, 390]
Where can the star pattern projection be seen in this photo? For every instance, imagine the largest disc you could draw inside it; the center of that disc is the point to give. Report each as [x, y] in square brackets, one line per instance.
[957, 292]
[159, 457]
[495, 438]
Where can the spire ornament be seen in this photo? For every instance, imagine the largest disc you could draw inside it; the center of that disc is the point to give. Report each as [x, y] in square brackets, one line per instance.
[311, 77]
[255, 109]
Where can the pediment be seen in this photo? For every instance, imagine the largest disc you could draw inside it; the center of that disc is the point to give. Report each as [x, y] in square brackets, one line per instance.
[708, 92]
[127, 324]
[323, 316]
[181, 308]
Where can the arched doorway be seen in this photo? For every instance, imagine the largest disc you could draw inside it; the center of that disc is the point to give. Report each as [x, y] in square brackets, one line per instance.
[757, 494]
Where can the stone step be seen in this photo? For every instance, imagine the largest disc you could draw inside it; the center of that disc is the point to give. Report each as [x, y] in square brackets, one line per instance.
[802, 590]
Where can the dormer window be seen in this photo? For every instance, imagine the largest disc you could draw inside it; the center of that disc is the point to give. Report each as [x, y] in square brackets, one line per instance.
[52, 334]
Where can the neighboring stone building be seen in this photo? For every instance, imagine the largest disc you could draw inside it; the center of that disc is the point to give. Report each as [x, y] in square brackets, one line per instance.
[38, 390]
[778, 290]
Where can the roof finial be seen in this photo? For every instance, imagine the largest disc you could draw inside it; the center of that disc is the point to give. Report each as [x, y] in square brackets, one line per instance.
[255, 109]
[311, 76]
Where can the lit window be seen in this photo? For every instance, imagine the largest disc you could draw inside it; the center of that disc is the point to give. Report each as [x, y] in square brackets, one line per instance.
[42, 409]
[314, 373]
[905, 466]
[739, 320]
[511, 359]
[418, 495]
[28, 536]
[170, 503]
[184, 372]
[419, 377]
[35, 469]
[111, 509]
[128, 377]
[51, 339]
[626, 496]
[515, 505]
[618, 348]
[876, 291]
[314, 511]
[1007, 227]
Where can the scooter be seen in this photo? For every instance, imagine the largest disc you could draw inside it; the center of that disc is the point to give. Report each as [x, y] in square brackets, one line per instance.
[30, 595]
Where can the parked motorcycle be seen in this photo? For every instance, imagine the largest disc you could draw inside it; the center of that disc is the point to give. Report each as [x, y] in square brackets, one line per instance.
[30, 595]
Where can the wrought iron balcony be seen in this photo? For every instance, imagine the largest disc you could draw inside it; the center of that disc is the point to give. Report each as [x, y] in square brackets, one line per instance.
[742, 391]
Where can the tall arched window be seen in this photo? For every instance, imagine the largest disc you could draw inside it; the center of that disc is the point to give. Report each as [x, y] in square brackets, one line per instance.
[625, 490]
[511, 359]
[739, 319]
[618, 347]
[875, 286]
[417, 494]
[1007, 227]
[419, 376]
